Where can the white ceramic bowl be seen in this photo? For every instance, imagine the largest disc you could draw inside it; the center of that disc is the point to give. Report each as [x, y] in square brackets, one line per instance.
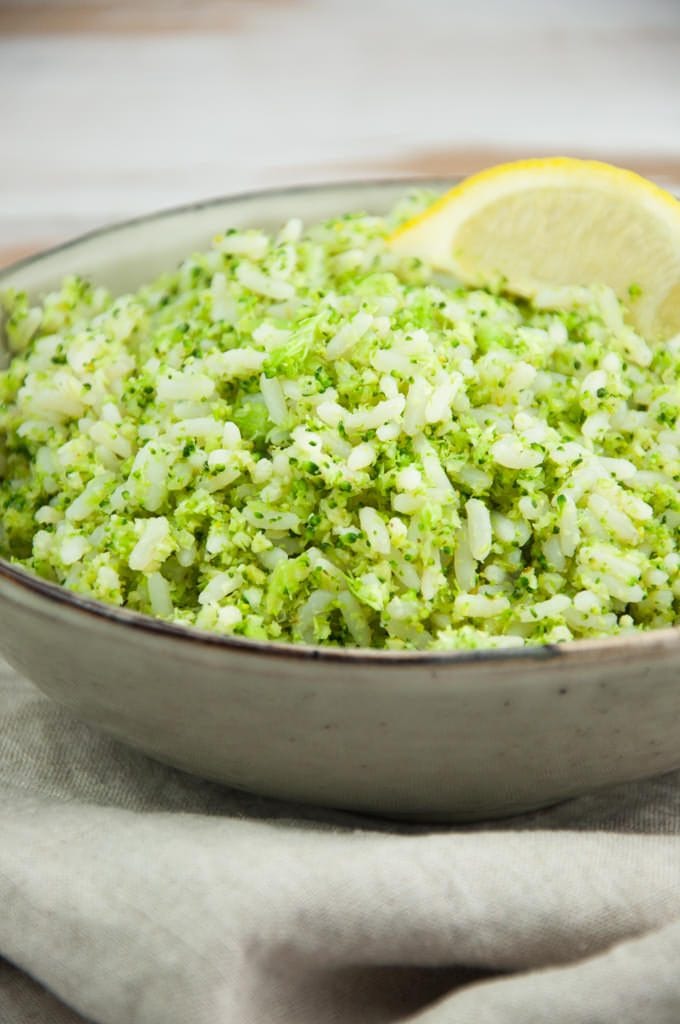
[430, 736]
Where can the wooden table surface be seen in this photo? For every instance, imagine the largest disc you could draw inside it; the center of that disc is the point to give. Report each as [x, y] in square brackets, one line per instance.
[114, 107]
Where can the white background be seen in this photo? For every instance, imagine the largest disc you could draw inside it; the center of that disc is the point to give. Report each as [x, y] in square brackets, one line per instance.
[131, 106]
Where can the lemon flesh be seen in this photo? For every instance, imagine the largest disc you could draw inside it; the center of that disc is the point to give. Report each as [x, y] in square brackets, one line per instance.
[525, 226]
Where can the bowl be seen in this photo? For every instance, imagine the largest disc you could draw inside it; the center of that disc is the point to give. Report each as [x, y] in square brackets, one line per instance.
[429, 736]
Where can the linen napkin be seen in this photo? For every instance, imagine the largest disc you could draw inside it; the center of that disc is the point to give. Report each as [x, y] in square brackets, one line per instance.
[131, 893]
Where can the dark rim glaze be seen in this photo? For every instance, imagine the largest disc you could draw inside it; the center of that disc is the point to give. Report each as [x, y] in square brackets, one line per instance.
[22, 579]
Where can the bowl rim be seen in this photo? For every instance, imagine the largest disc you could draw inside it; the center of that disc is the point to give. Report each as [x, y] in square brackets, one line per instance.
[642, 642]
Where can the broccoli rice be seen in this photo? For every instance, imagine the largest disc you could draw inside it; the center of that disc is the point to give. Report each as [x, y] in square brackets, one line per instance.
[301, 437]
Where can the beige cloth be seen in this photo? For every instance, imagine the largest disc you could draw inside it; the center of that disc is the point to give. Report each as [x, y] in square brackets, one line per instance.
[134, 894]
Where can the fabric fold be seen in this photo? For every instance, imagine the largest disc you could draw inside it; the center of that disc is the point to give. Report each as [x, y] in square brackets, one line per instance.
[139, 895]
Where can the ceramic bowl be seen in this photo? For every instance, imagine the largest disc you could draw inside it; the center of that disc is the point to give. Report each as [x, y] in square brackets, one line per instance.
[423, 735]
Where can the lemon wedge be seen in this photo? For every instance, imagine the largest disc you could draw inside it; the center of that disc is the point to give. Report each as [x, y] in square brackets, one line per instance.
[532, 224]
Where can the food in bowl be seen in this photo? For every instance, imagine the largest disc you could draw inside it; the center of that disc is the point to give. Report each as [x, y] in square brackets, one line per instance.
[307, 437]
